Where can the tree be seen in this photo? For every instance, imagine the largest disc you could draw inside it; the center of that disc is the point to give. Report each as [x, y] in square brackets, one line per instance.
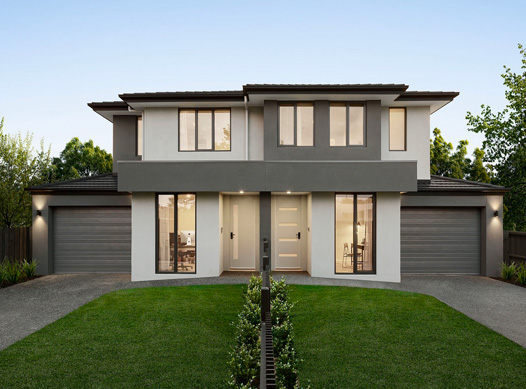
[20, 167]
[445, 162]
[79, 160]
[505, 142]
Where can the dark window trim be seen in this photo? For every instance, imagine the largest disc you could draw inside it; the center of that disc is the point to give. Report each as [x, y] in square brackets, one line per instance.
[348, 104]
[355, 233]
[295, 105]
[137, 136]
[196, 143]
[175, 232]
[405, 127]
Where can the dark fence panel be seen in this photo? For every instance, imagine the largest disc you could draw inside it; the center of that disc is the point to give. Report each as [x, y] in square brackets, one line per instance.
[515, 247]
[15, 243]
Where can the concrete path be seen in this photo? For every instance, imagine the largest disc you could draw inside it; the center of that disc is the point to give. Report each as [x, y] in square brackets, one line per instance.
[28, 307]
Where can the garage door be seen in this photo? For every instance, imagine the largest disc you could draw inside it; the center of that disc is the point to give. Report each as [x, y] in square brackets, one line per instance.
[92, 239]
[440, 240]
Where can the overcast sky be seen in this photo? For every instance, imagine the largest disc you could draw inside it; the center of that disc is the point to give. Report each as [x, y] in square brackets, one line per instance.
[56, 56]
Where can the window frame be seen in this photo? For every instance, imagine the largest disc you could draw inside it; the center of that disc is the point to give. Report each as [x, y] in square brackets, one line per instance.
[137, 136]
[196, 140]
[405, 127]
[176, 194]
[347, 127]
[295, 105]
[355, 233]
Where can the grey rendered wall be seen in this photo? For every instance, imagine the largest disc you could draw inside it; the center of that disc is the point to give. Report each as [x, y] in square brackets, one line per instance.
[260, 176]
[124, 139]
[491, 225]
[43, 225]
[322, 149]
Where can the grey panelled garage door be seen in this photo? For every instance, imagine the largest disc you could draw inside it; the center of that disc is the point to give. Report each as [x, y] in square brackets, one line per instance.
[92, 239]
[440, 240]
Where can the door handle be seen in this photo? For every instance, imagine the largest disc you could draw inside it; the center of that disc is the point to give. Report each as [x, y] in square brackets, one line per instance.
[232, 235]
[298, 235]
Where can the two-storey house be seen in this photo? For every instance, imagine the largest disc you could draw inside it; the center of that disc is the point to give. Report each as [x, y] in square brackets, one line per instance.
[329, 179]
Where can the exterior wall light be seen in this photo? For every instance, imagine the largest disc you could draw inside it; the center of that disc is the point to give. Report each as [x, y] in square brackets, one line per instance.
[496, 213]
[241, 191]
[288, 192]
[39, 212]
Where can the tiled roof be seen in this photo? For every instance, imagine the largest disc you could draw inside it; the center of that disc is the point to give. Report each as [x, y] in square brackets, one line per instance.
[102, 183]
[447, 184]
[182, 96]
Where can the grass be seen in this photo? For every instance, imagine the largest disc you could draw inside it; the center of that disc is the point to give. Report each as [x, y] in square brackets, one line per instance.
[352, 337]
[156, 337]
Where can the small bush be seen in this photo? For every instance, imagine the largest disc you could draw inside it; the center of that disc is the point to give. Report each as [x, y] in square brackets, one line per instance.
[12, 272]
[29, 269]
[521, 274]
[508, 271]
[2, 274]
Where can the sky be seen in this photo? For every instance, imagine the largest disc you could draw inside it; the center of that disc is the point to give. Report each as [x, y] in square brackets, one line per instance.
[56, 56]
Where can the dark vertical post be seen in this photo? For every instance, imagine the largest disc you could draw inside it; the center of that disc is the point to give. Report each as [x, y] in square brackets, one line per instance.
[264, 228]
[505, 246]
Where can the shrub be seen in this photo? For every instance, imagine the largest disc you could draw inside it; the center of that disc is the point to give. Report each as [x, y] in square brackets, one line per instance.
[508, 271]
[2, 274]
[521, 274]
[12, 271]
[244, 363]
[29, 269]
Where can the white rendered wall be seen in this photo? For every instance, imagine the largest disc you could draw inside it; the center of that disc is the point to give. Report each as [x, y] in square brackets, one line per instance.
[208, 246]
[418, 135]
[387, 238]
[256, 137]
[161, 137]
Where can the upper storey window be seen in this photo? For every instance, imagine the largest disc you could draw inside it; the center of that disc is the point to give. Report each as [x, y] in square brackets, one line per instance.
[296, 124]
[204, 130]
[397, 129]
[347, 124]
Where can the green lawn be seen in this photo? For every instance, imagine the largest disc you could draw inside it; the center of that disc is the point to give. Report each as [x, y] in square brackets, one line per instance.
[353, 337]
[157, 337]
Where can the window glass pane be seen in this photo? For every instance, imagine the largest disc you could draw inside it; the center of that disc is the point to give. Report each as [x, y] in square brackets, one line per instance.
[365, 232]
[286, 125]
[187, 129]
[396, 129]
[344, 233]
[186, 233]
[305, 118]
[139, 136]
[204, 130]
[166, 240]
[355, 126]
[338, 124]
[222, 129]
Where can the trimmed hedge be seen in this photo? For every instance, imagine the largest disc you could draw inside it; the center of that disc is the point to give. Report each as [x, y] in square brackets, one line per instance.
[244, 363]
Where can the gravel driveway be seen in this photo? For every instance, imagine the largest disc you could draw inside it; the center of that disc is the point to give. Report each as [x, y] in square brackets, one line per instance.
[27, 307]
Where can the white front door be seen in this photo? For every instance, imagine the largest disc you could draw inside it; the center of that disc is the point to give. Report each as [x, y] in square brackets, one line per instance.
[243, 232]
[289, 235]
